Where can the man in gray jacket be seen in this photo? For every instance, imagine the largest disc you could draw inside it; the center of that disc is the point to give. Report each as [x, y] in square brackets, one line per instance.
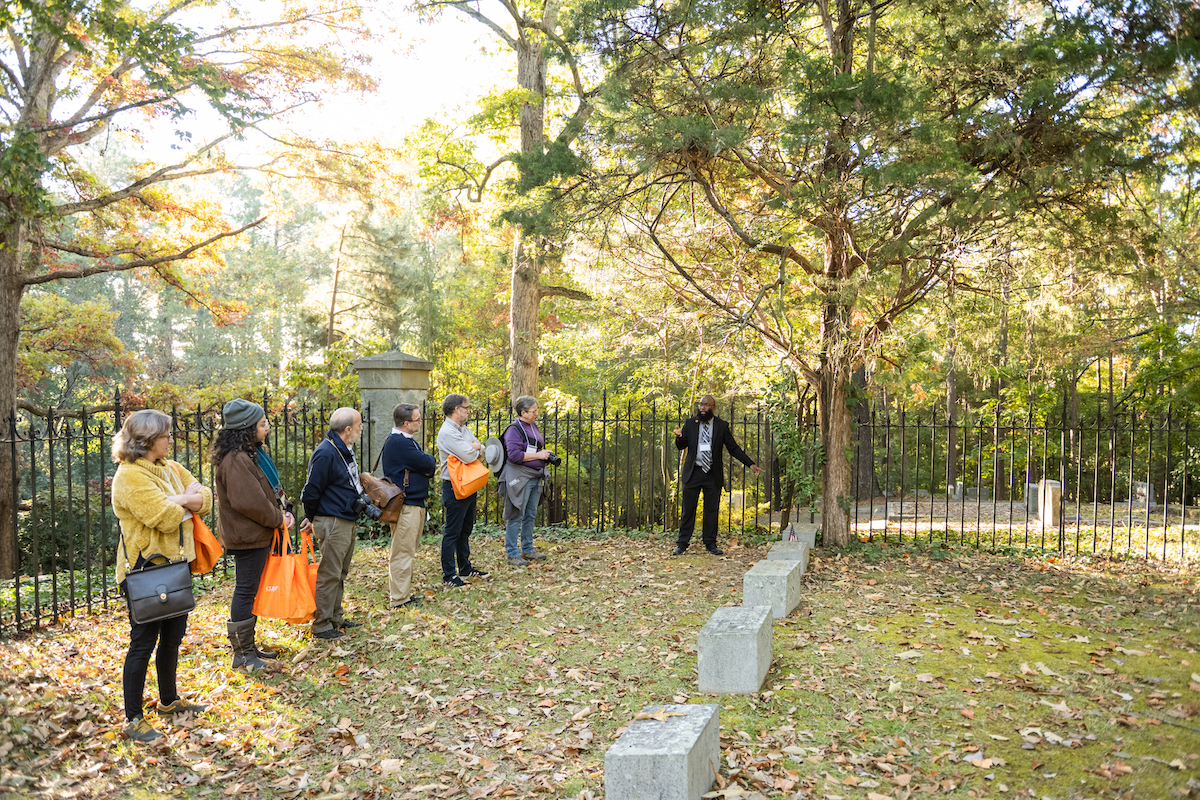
[455, 439]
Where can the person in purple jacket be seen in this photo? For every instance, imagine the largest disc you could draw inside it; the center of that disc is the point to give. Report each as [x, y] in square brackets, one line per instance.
[521, 481]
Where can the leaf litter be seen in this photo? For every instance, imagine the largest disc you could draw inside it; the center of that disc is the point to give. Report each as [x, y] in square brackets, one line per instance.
[1037, 678]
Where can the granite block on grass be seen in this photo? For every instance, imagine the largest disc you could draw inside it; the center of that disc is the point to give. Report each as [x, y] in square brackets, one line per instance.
[672, 756]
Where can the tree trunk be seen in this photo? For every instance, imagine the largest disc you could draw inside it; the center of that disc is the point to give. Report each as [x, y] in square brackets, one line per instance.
[526, 298]
[524, 331]
[836, 422]
[11, 290]
[837, 492]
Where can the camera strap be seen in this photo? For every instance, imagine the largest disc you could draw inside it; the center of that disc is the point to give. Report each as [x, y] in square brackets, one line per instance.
[350, 468]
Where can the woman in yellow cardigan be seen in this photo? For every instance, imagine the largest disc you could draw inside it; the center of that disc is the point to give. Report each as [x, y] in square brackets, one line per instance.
[153, 498]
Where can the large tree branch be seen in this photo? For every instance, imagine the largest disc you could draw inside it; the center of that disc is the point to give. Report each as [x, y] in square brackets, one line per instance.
[481, 183]
[548, 290]
[25, 405]
[741, 319]
[480, 17]
[28, 279]
[784, 251]
[168, 173]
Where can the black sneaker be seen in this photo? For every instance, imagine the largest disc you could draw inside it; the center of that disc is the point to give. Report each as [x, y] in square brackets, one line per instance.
[412, 602]
[454, 582]
[475, 573]
[332, 633]
[347, 624]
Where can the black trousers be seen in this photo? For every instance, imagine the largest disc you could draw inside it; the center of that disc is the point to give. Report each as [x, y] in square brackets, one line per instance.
[247, 569]
[168, 635]
[687, 520]
[456, 536]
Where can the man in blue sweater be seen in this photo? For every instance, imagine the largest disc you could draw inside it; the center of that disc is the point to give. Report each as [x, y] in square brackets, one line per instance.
[329, 497]
[410, 468]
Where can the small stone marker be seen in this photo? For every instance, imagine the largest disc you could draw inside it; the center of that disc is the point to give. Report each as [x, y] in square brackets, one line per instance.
[801, 532]
[1031, 498]
[775, 584]
[979, 493]
[1050, 503]
[734, 650]
[955, 491]
[1142, 491]
[672, 756]
[790, 551]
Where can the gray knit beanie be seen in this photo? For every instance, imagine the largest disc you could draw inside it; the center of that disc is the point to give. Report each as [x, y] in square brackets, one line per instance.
[241, 413]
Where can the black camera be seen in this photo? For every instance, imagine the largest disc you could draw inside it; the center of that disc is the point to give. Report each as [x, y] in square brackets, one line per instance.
[554, 460]
[365, 508]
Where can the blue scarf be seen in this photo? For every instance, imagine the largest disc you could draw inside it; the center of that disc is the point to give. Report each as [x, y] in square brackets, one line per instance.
[268, 467]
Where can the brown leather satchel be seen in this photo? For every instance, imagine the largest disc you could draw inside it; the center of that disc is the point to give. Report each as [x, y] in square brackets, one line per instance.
[385, 494]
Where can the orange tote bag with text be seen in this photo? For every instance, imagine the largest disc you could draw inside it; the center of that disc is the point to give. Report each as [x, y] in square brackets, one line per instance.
[285, 591]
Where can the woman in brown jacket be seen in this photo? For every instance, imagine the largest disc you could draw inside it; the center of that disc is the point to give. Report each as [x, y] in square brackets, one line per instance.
[252, 505]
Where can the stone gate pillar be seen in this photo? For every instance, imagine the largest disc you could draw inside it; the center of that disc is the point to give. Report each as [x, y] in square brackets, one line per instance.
[385, 380]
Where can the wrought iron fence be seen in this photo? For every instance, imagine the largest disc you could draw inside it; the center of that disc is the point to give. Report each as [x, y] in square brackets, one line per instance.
[1126, 485]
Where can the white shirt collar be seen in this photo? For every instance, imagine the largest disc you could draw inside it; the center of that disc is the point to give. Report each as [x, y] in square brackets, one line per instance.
[402, 433]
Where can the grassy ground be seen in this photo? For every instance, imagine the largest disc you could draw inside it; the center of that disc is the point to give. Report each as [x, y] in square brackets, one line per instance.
[905, 672]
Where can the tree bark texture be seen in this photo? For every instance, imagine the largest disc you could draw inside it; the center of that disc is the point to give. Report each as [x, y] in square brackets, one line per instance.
[524, 330]
[525, 288]
[12, 288]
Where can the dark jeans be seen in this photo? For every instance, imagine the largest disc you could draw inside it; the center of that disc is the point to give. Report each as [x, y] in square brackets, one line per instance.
[460, 521]
[168, 634]
[248, 569]
[687, 521]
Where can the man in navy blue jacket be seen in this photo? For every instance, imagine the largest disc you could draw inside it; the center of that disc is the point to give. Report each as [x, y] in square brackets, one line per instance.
[409, 467]
[329, 497]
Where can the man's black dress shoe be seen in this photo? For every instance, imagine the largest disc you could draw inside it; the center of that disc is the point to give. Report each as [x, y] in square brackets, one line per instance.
[679, 550]
[716, 551]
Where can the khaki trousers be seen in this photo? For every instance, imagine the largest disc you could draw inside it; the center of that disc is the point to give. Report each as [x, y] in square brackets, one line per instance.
[336, 538]
[406, 535]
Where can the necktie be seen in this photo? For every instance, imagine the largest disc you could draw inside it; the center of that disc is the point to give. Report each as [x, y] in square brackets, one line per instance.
[704, 456]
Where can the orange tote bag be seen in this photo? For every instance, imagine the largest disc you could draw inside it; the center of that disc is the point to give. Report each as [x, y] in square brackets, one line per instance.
[285, 591]
[466, 479]
[208, 549]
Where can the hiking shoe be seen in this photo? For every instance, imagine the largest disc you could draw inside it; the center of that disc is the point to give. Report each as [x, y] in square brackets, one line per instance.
[533, 555]
[181, 706]
[454, 582]
[412, 602]
[475, 573]
[347, 624]
[517, 561]
[332, 633]
[141, 731]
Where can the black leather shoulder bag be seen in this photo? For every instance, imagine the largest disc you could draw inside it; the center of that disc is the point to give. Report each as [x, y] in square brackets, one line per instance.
[159, 591]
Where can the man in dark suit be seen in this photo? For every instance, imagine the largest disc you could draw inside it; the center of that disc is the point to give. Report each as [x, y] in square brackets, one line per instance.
[705, 437]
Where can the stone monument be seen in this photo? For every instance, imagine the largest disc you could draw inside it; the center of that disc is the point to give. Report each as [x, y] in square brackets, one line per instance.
[384, 381]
